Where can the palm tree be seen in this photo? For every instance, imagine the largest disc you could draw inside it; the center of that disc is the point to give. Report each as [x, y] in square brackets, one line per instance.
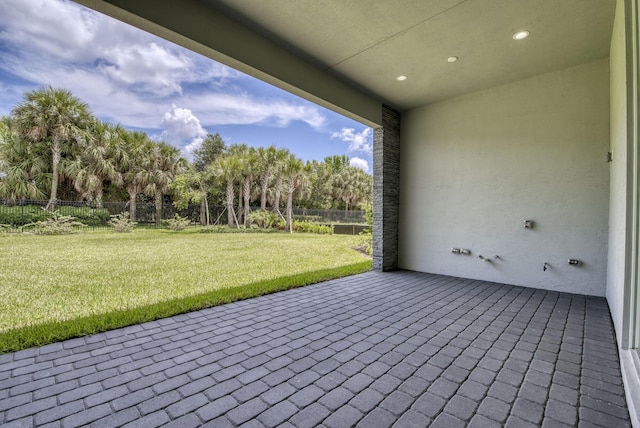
[165, 164]
[54, 119]
[227, 170]
[100, 162]
[191, 186]
[293, 172]
[249, 162]
[352, 186]
[239, 150]
[266, 159]
[22, 171]
[282, 155]
[136, 172]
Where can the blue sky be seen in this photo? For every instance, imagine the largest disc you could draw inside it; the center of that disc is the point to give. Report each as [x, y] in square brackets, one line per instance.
[143, 82]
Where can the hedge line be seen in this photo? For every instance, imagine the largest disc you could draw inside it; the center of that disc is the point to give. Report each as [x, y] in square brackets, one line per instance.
[21, 215]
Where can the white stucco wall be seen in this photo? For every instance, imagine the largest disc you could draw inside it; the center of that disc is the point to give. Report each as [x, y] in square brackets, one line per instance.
[475, 167]
[618, 187]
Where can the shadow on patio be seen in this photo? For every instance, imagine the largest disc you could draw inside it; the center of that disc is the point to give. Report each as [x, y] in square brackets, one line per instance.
[373, 350]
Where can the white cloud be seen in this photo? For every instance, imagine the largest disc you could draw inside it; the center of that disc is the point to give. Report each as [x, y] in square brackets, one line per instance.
[359, 163]
[161, 68]
[183, 129]
[127, 75]
[216, 108]
[358, 141]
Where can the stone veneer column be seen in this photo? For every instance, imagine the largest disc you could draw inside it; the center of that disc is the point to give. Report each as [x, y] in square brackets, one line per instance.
[386, 191]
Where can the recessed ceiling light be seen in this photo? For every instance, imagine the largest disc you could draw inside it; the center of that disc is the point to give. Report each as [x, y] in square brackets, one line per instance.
[521, 35]
[401, 78]
[452, 59]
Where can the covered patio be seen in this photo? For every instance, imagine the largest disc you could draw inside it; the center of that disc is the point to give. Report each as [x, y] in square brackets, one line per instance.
[402, 349]
[523, 152]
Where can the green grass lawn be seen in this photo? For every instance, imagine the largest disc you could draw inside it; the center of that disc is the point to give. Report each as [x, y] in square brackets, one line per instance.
[56, 287]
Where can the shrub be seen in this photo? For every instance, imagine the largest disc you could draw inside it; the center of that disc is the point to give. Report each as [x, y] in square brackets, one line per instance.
[306, 227]
[121, 222]
[263, 219]
[54, 224]
[21, 215]
[309, 218]
[87, 215]
[27, 214]
[177, 222]
[365, 238]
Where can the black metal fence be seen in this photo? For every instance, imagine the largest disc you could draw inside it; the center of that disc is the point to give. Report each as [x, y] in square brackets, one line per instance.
[17, 214]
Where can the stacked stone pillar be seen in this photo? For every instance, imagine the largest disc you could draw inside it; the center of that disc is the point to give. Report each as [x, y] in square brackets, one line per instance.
[386, 191]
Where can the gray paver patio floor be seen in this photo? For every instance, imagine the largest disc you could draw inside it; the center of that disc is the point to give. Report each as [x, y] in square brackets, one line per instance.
[398, 349]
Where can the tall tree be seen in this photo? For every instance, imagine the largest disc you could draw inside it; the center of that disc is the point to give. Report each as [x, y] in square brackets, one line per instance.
[282, 155]
[353, 186]
[266, 159]
[337, 162]
[55, 119]
[249, 161]
[101, 162]
[227, 170]
[165, 164]
[293, 173]
[22, 171]
[212, 147]
[239, 151]
[136, 173]
[191, 186]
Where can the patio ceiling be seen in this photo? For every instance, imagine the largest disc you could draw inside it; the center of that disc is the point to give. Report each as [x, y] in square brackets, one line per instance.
[368, 43]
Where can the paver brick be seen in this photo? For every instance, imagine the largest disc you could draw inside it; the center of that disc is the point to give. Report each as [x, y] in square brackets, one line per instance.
[118, 419]
[15, 401]
[106, 395]
[429, 404]
[528, 410]
[331, 380]
[310, 416]
[443, 388]
[159, 402]
[276, 415]
[397, 402]
[494, 409]
[186, 421]
[277, 394]
[26, 385]
[413, 419]
[250, 391]
[561, 412]
[306, 396]
[366, 400]
[131, 399]
[87, 416]
[479, 421]
[120, 379]
[600, 418]
[602, 395]
[246, 411]
[378, 418]
[186, 405]
[30, 408]
[345, 416]
[386, 383]
[58, 412]
[429, 353]
[216, 408]
[152, 420]
[336, 398]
